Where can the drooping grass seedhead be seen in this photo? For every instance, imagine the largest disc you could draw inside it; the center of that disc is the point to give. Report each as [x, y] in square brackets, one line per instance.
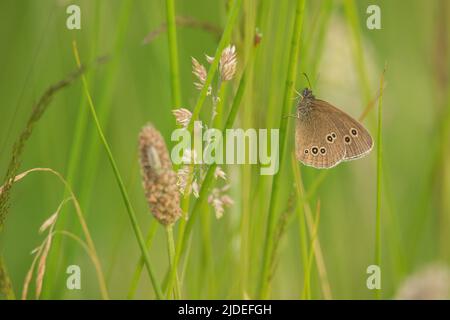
[38, 110]
[159, 179]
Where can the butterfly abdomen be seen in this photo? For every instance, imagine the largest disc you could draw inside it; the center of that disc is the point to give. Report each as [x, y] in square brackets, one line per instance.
[304, 108]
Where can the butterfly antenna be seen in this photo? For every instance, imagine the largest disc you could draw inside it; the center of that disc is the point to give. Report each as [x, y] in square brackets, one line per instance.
[307, 78]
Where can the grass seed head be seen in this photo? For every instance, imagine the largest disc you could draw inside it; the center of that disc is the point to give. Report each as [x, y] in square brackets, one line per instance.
[182, 116]
[159, 179]
[228, 62]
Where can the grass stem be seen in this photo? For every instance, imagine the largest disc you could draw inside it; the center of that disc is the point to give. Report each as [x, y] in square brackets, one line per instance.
[124, 193]
[379, 182]
[140, 265]
[173, 53]
[264, 281]
[226, 36]
[171, 248]
[185, 235]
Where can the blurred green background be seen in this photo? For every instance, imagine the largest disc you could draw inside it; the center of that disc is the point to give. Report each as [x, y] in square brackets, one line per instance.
[344, 59]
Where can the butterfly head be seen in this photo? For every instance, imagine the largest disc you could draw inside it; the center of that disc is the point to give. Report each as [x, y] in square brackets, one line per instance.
[307, 94]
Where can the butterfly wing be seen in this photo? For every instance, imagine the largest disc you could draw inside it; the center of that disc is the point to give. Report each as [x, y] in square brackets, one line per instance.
[355, 138]
[316, 139]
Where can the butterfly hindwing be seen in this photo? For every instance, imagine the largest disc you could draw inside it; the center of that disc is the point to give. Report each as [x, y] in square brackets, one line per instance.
[316, 140]
[355, 137]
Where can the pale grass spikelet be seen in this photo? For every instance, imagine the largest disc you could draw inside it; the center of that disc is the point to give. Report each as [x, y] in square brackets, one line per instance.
[42, 264]
[41, 253]
[159, 179]
[209, 59]
[182, 116]
[218, 206]
[49, 222]
[219, 200]
[228, 62]
[200, 72]
[219, 173]
[187, 180]
[27, 281]
[195, 188]
[182, 178]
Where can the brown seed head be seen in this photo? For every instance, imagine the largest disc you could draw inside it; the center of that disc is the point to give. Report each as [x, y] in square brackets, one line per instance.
[158, 177]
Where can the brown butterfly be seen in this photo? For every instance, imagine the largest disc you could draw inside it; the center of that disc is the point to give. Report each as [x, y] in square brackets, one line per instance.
[325, 135]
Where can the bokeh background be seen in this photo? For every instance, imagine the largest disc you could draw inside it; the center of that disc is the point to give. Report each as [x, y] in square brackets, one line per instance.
[344, 60]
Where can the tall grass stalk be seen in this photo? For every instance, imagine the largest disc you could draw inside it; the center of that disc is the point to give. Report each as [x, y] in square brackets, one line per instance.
[306, 214]
[207, 265]
[71, 175]
[301, 217]
[307, 284]
[318, 254]
[226, 36]
[351, 14]
[247, 121]
[264, 280]
[207, 182]
[140, 265]
[91, 154]
[173, 53]
[120, 183]
[171, 249]
[325, 10]
[38, 109]
[275, 70]
[379, 182]
[185, 227]
[224, 40]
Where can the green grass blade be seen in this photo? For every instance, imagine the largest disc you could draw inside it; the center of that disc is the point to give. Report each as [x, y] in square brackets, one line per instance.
[226, 36]
[140, 265]
[124, 193]
[351, 14]
[181, 245]
[379, 182]
[301, 217]
[290, 80]
[173, 53]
